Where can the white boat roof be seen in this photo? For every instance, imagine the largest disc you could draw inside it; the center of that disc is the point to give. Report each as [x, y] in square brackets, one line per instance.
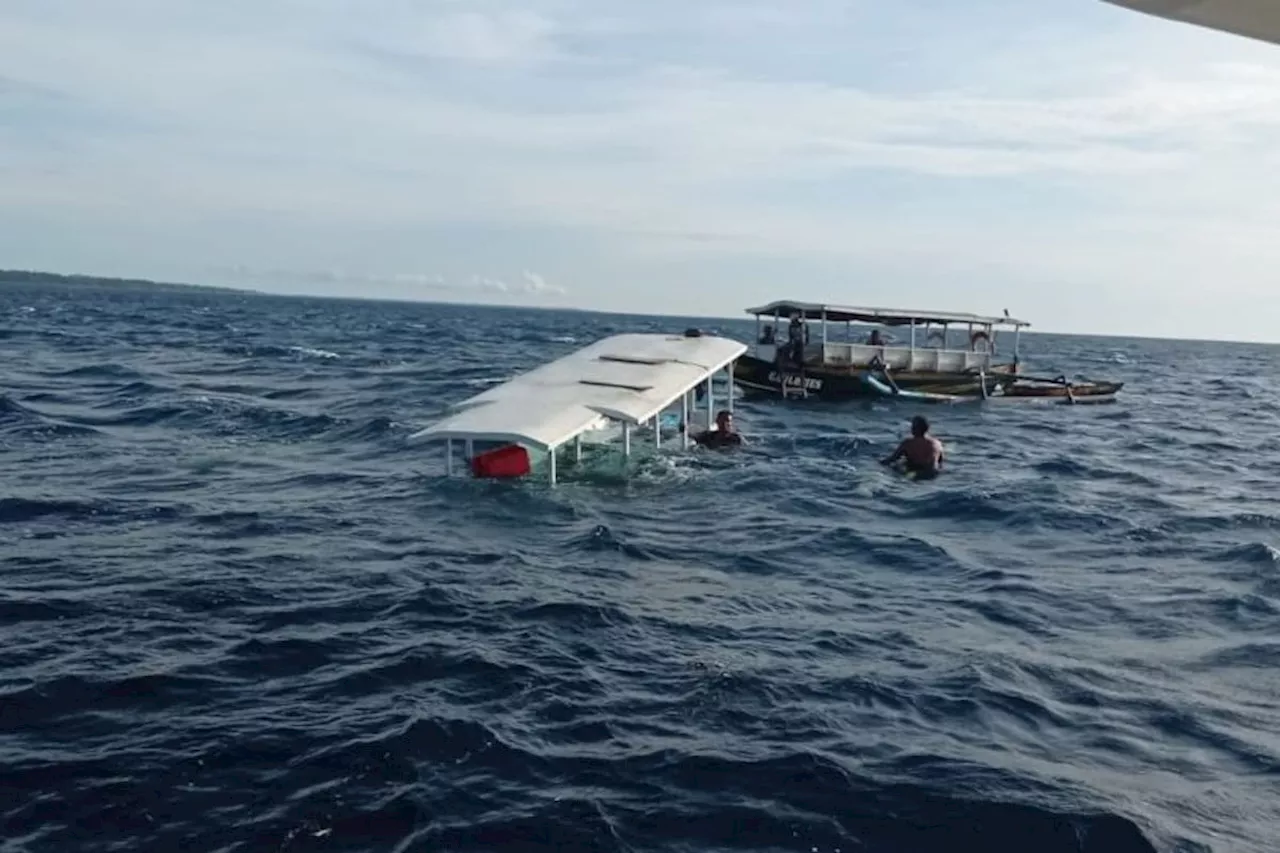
[1259, 19]
[884, 316]
[626, 378]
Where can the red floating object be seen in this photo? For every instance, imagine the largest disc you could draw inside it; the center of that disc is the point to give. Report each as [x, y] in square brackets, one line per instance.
[509, 461]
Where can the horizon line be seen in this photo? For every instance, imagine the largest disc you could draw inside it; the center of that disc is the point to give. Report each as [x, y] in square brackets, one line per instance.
[230, 288]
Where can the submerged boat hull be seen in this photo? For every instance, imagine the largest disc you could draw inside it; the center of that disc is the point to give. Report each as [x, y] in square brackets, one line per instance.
[758, 377]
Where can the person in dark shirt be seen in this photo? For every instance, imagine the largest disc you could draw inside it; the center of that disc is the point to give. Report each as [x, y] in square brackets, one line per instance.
[724, 435]
[797, 338]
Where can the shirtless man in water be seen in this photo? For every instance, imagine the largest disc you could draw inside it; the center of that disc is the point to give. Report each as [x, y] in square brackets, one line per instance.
[724, 435]
[923, 452]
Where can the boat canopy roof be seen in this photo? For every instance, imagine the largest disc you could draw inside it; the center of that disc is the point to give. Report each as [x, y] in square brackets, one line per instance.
[627, 378]
[1259, 19]
[883, 316]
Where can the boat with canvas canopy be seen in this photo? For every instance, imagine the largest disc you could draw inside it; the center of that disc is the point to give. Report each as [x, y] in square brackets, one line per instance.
[925, 356]
[616, 391]
[915, 351]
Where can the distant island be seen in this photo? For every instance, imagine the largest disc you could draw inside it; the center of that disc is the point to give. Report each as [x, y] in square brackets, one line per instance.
[76, 280]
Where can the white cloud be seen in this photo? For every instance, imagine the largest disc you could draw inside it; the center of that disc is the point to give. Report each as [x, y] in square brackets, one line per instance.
[480, 282]
[503, 37]
[426, 285]
[535, 283]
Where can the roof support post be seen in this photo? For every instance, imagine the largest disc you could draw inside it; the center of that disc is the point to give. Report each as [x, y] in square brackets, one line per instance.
[1017, 335]
[657, 430]
[551, 467]
[684, 420]
[577, 448]
[911, 357]
[448, 457]
[469, 451]
[626, 439]
[711, 401]
[729, 372]
[824, 333]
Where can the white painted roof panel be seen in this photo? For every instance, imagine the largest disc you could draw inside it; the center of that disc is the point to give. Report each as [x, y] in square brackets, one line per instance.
[625, 377]
[885, 316]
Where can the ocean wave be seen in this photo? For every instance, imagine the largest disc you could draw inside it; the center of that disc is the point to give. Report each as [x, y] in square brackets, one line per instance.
[1252, 553]
[268, 351]
[106, 370]
[21, 422]
[18, 510]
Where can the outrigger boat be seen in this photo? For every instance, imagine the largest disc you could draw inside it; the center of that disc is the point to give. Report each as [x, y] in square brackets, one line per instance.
[614, 392]
[926, 365]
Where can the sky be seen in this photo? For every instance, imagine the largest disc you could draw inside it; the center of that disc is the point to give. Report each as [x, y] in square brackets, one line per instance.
[1089, 168]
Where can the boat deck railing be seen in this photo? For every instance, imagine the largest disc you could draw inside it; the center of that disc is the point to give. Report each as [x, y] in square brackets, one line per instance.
[902, 358]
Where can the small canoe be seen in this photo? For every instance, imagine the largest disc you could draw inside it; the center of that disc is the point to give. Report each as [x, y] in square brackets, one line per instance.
[1092, 392]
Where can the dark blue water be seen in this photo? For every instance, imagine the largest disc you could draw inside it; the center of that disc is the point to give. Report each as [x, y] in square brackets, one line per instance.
[238, 611]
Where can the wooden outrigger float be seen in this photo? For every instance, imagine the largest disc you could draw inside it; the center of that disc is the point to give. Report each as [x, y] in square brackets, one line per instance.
[613, 392]
[927, 364]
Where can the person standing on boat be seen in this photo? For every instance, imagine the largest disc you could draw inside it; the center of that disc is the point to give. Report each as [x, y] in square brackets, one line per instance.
[798, 336]
[922, 452]
[724, 435]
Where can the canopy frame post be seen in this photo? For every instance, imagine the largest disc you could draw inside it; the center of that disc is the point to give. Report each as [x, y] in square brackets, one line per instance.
[448, 458]
[577, 448]
[711, 401]
[626, 440]
[729, 403]
[551, 468]
[684, 420]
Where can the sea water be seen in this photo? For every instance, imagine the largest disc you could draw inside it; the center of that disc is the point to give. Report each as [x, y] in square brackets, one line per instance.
[239, 611]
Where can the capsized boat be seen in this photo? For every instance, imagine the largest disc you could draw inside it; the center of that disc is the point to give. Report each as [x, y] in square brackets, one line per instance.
[925, 355]
[615, 392]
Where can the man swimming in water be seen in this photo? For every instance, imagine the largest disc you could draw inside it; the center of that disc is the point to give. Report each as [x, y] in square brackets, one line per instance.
[922, 452]
[724, 435]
